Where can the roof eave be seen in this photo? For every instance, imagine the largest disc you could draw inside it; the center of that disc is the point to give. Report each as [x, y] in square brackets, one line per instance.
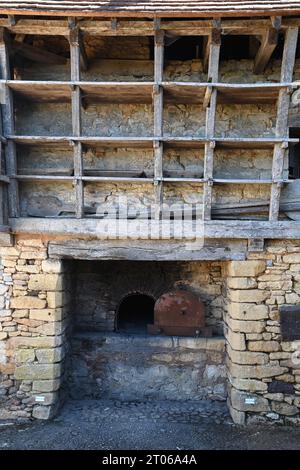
[153, 14]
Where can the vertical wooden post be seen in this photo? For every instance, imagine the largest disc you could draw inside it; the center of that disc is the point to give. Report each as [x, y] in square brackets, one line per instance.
[158, 118]
[76, 121]
[8, 123]
[3, 218]
[213, 75]
[287, 68]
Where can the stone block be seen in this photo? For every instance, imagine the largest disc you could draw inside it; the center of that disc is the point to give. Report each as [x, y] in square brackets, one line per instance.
[255, 336]
[49, 356]
[245, 268]
[292, 298]
[249, 385]
[248, 296]
[46, 385]
[205, 344]
[248, 326]
[264, 346]
[239, 401]
[238, 417]
[51, 328]
[9, 251]
[3, 335]
[55, 299]
[247, 358]
[46, 314]
[292, 258]
[52, 266]
[213, 373]
[49, 398]
[5, 313]
[34, 342]
[42, 412]
[28, 301]
[254, 372]
[25, 355]
[279, 386]
[46, 282]
[284, 408]
[3, 289]
[34, 254]
[38, 371]
[236, 340]
[241, 283]
[3, 358]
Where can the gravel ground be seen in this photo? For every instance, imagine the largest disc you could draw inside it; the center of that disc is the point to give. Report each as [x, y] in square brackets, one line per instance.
[111, 425]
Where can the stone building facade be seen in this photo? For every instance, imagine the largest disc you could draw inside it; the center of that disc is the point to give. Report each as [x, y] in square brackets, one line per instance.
[105, 123]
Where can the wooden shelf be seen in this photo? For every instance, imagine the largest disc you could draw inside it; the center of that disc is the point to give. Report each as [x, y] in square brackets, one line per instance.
[113, 142]
[235, 93]
[91, 92]
[147, 142]
[226, 142]
[141, 92]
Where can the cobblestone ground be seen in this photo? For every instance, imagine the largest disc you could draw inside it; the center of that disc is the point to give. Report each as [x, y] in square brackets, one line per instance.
[109, 425]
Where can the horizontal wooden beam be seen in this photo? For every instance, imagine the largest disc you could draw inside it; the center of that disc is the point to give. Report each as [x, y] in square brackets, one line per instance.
[125, 27]
[100, 229]
[145, 251]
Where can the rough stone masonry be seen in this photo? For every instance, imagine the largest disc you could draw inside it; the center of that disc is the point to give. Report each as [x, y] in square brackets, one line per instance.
[263, 373]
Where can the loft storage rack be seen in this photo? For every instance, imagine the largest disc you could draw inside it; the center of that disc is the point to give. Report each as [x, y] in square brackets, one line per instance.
[158, 92]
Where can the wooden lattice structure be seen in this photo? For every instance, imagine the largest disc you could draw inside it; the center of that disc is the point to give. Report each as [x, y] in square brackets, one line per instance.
[157, 92]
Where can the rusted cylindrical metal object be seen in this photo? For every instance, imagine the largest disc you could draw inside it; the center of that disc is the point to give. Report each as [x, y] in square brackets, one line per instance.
[179, 312]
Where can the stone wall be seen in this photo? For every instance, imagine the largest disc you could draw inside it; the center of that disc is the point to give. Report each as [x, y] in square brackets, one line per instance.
[133, 367]
[35, 330]
[263, 370]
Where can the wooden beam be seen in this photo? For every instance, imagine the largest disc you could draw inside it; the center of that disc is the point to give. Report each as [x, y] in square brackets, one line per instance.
[136, 27]
[135, 250]
[9, 128]
[281, 131]
[213, 74]
[214, 37]
[158, 118]
[99, 229]
[37, 54]
[76, 122]
[3, 205]
[268, 43]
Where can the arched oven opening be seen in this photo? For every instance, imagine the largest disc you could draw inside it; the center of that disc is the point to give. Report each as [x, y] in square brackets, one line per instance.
[135, 312]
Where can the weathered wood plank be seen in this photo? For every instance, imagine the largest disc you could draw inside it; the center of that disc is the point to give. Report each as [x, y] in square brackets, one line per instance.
[268, 44]
[281, 131]
[9, 128]
[102, 229]
[147, 251]
[103, 27]
[158, 118]
[76, 121]
[213, 73]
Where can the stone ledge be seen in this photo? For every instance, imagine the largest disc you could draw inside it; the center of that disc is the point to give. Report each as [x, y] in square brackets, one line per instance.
[174, 342]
